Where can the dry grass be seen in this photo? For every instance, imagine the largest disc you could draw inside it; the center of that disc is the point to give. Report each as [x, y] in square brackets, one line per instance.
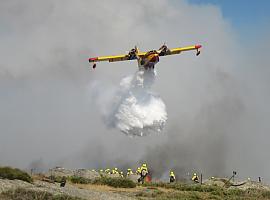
[176, 192]
[26, 194]
[106, 188]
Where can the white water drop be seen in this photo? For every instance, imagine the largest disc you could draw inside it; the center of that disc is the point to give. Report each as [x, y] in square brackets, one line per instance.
[139, 111]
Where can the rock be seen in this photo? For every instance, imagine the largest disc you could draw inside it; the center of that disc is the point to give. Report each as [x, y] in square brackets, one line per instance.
[85, 173]
[6, 184]
[216, 181]
[134, 177]
[59, 172]
[250, 185]
[55, 189]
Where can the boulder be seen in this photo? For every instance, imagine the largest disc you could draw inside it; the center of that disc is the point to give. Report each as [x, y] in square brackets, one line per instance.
[85, 173]
[59, 172]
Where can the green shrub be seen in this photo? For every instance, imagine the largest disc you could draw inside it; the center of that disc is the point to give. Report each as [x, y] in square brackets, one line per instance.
[23, 194]
[115, 182]
[187, 187]
[266, 194]
[14, 173]
[235, 192]
[56, 179]
[80, 180]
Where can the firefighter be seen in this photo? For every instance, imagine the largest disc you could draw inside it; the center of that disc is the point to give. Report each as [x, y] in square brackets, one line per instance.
[144, 172]
[115, 171]
[108, 171]
[144, 167]
[172, 177]
[129, 172]
[138, 172]
[63, 181]
[195, 178]
[121, 174]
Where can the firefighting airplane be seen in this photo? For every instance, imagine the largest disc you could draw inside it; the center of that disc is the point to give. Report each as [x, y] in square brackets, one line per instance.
[146, 60]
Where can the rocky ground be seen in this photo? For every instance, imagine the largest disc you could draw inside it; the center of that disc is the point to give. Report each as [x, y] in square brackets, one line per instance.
[220, 186]
[55, 189]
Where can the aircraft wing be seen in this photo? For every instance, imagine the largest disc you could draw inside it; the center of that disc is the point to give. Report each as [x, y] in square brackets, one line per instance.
[110, 58]
[116, 58]
[179, 50]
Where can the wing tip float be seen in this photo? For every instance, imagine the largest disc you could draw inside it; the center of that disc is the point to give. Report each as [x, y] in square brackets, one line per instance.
[197, 47]
[142, 55]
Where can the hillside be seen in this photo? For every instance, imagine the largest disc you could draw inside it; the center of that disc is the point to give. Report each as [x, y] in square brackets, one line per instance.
[44, 188]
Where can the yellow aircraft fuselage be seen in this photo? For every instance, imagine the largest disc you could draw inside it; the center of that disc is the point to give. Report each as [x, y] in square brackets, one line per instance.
[149, 60]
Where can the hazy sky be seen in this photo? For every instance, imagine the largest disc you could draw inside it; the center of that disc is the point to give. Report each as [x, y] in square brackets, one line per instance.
[217, 103]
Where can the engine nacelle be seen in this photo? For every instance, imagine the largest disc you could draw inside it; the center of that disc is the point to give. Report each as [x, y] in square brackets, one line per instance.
[163, 50]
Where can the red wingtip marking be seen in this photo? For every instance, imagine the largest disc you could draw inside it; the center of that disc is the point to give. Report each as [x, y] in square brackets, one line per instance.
[198, 46]
[93, 59]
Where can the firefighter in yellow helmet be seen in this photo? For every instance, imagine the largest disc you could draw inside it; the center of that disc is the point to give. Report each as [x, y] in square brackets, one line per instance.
[108, 171]
[195, 178]
[129, 172]
[121, 174]
[138, 171]
[144, 168]
[172, 177]
[115, 171]
[144, 172]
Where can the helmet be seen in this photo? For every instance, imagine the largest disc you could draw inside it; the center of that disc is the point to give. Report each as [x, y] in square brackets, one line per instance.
[194, 174]
[115, 168]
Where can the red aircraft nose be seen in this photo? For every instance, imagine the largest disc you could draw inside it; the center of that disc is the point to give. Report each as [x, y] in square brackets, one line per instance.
[155, 58]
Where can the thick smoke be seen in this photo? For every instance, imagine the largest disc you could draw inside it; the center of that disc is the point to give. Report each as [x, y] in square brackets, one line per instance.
[202, 146]
[217, 103]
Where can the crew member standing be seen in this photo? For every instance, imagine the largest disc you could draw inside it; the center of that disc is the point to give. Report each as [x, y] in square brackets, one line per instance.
[172, 177]
[144, 172]
[195, 178]
[129, 172]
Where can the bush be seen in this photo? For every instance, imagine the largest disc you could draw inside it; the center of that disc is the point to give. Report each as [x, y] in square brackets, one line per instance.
[266, 194]
[23, 194]
[235, 192]
[80, 180]
[187, 187]
[115, 182]
[14, 173]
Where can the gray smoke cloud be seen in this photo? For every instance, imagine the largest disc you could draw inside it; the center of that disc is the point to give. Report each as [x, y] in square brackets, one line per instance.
[217, 103]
